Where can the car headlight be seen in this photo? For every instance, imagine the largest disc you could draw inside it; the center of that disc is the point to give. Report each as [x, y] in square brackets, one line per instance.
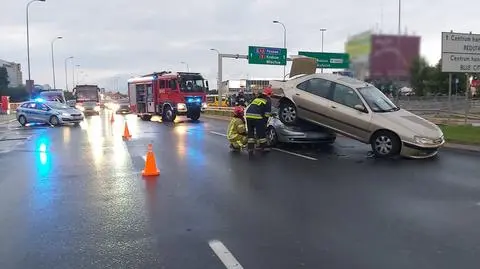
[65, 114]
[424, 140]
[181, 106]
[204, 105]
[97, 108]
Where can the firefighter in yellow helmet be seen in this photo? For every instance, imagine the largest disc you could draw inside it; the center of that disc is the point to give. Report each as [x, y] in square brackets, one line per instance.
[237, 131]
[257, 114]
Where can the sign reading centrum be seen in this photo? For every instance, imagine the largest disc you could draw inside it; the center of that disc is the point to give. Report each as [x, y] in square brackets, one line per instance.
[266, 55]
[460, 53]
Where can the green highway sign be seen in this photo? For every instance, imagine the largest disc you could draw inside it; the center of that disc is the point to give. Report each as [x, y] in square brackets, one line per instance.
[329, 60]
[266, 55]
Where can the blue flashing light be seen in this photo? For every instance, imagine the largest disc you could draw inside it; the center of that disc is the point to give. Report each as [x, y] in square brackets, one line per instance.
[39, 100]
[194, 100]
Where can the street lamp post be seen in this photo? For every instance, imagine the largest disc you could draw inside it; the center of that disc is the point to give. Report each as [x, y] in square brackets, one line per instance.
[53, 61]
[284, 43]
[323, 30]
[28, 38]
[66, 72]
[185, 63]
[76, 73]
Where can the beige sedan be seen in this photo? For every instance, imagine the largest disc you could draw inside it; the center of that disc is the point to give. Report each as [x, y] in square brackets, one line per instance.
[358, 110]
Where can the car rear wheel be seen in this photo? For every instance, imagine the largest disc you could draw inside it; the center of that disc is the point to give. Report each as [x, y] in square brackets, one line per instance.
[22, 120]
[195, 115]
[287, 113]
[272, 137]
[385, 144]
[54, 121]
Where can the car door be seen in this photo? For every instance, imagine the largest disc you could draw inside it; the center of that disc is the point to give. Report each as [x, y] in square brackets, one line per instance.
[313, 102]
[349, 114]
[30, 111]
[43, 112]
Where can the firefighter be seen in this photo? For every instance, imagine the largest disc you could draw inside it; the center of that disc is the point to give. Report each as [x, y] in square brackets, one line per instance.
[237, 133]
[257, 115]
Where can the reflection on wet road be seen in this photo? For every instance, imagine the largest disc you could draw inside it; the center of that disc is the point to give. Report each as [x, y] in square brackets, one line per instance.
[73, 197]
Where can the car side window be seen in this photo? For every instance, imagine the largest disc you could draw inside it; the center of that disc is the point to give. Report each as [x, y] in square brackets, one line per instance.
[31, 105]
[317, 86]
[42, 107]
[346, 96]
[25, 105]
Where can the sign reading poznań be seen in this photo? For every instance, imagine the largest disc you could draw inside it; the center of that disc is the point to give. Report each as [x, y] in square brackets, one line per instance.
[267, 55]
[460, 53]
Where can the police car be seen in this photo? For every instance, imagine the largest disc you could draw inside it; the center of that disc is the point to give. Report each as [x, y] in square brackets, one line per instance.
[53, 113]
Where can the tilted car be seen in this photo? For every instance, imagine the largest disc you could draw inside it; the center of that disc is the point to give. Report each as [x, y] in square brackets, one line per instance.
[51, 112]
[355, 109]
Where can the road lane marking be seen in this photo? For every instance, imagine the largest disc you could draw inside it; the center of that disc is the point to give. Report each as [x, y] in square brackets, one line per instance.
[296, 154]
[217, 133]
[277, 149]
[224, 255]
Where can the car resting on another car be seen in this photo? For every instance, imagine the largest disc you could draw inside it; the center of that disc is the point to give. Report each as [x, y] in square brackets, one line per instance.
[53, 113]
[358, 110]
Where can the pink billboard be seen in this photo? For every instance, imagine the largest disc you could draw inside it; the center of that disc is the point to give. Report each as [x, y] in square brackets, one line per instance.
[392, 56]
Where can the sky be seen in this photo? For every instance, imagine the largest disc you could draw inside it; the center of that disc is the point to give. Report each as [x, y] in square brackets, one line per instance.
[113, 40]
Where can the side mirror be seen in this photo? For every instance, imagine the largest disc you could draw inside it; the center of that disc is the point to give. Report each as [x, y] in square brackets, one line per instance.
[360, 108]
[206, 85]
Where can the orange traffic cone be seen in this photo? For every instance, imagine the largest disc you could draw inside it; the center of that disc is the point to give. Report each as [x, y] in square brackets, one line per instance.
[126, 133]
[150, 164]
[112, 119]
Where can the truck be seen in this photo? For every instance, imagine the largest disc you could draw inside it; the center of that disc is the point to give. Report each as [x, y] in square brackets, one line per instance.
[87, 99]
[168, 94]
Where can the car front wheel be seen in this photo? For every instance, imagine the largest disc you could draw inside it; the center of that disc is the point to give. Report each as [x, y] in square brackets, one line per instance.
[385, 144]
[272, 137]
[54, 121]
[287, 113]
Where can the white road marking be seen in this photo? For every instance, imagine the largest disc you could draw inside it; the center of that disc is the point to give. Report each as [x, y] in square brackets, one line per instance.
[217, 133]
[277, 149]
[224, 255]
[296, 154]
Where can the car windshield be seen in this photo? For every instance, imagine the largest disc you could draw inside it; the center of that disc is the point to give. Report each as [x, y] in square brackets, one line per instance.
[56, 105]
[376, 100]
[91, 95]
[192, 84]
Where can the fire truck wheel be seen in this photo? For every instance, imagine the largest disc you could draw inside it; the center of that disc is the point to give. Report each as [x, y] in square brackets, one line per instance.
[195, 116]
[168, 114]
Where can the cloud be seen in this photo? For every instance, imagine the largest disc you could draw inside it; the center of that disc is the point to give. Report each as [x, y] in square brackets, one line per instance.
[120, 38]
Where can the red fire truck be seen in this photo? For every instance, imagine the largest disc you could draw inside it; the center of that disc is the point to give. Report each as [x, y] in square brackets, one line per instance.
[168, 94]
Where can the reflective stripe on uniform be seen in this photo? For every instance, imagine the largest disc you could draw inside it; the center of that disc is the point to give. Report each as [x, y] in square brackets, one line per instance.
[253, 116]
[259, 101]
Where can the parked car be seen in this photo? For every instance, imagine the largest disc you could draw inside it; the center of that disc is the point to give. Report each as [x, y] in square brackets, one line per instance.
[302, 133]
[51, 112]
[355, 109]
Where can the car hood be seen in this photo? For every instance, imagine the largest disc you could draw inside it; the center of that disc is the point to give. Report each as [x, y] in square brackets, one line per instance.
[411, 122]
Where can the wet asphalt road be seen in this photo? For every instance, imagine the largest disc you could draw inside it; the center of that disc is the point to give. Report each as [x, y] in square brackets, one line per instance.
[73, 197]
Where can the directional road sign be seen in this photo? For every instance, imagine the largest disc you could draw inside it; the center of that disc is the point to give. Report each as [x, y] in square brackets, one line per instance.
[329, 60]
[460, 53]
[266, 55]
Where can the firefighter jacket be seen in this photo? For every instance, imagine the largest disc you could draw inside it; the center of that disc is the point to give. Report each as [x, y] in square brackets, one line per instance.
[259, 108]
[236, 129]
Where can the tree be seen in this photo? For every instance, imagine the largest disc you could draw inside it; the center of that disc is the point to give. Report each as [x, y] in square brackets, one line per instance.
[420, 73]
[3, 80]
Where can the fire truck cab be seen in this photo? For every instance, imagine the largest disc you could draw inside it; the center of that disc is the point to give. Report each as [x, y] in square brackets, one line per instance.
[168, 94]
